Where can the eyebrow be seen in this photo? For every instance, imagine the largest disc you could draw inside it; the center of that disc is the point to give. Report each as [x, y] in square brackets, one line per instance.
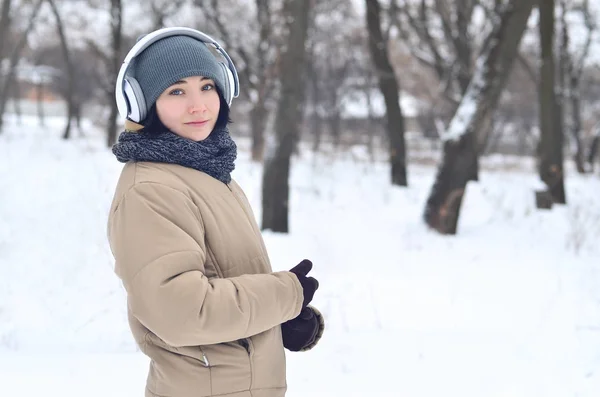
[184, 82]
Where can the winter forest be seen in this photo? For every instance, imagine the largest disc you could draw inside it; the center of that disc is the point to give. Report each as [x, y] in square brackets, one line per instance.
[437, 160]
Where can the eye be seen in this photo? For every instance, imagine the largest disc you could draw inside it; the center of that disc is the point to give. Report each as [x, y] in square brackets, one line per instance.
[208, 87]
[176, 91]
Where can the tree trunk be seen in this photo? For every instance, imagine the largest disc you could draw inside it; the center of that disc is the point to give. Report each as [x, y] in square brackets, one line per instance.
[335, 126]
[576, 123]
[77, 109]
[463, 48]
[288, 120]
[14, 60]
[567, 90]
[69, 64]
[316, 125]
[477, 105]
[258, 124]
[116, 10]
[389, 88]
[550, 157]
[334, 118]
[16, 96]
[5, 22]
[594, 148]
[39, 88]
[317, 132]
[259, 113]
[371, 129]
[462, 42]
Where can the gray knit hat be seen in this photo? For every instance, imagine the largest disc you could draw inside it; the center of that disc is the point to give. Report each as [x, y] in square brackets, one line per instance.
[171, 59]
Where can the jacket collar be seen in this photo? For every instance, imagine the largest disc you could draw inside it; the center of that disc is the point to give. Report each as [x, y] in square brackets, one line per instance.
[132, 126]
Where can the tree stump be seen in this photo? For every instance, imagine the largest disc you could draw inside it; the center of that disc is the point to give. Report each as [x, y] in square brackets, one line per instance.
[543, 199]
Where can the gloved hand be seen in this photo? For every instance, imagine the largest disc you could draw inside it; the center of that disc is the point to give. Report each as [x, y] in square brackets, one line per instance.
[309, 284]
[303, 332]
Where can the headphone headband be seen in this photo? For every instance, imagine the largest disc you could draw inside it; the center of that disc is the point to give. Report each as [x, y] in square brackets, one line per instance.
[147, 40]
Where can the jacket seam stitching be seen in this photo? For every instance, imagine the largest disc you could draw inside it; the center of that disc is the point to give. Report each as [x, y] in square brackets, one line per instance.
[230, 393]
[156, 259]
[137, 184]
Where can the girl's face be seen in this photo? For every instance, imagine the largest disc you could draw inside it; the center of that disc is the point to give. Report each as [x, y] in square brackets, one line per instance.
[190, 107]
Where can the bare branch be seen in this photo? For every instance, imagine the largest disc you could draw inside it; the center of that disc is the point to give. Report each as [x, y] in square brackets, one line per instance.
[99, 52]
[14, 58]
[591, 26]
[530, 70]
[447, 26]
[429, 41]
[214, 14]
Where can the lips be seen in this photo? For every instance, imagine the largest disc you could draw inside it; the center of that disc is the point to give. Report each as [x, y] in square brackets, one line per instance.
[197, 123]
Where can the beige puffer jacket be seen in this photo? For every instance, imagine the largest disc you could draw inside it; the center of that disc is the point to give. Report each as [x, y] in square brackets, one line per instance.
[203, 301]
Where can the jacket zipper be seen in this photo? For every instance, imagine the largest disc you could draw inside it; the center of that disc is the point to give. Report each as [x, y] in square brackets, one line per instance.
[250, 351]
[206, 362]
[246, 342]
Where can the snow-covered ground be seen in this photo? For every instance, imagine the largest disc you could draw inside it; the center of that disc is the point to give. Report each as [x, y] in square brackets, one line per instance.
[510, 307]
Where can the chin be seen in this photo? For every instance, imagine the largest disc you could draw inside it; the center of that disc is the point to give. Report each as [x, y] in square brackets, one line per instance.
[199, 137]
[195, 136]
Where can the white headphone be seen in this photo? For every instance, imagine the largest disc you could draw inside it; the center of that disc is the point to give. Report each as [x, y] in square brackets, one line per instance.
[130, 98]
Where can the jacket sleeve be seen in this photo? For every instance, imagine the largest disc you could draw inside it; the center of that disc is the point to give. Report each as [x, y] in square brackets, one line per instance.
[157, 238]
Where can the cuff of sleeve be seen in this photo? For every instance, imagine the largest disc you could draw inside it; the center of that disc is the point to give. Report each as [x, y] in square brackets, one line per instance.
[319, 333]
[299, 294]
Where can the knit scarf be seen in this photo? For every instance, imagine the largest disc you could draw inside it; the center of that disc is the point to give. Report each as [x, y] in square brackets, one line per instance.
[214, 156]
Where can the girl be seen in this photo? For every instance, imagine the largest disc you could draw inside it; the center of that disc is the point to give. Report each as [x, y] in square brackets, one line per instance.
[203, 302]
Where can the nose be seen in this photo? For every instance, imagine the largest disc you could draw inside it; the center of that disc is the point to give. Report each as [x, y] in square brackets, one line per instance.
[196, 104]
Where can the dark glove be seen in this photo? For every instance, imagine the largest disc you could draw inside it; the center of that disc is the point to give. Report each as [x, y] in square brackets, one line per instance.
[309, 284]
[303, 332]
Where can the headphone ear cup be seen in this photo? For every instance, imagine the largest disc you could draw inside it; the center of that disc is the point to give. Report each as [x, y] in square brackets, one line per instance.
[135, 99]
[229, 83]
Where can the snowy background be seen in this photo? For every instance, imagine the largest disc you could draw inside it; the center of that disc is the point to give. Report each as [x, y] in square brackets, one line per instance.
[510, 307]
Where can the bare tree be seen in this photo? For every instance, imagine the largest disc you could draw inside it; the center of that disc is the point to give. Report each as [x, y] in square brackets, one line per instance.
[116, 23]
[335, 63]
[86, 81]
[14, 58]
[275, 192]
[388, 84]
[112, 63]
[264, 79]
[5, 22]
[41, 82]
[594, 146]
[448, 52]
[439, 36]
[161, 10]
[69, 67]
[315, 94]
[16, 94]
[476, 107]
[550, 157]
[258, 71]
[571, 66]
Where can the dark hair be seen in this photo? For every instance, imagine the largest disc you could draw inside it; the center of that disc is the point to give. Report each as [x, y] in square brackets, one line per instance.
[153, 125]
